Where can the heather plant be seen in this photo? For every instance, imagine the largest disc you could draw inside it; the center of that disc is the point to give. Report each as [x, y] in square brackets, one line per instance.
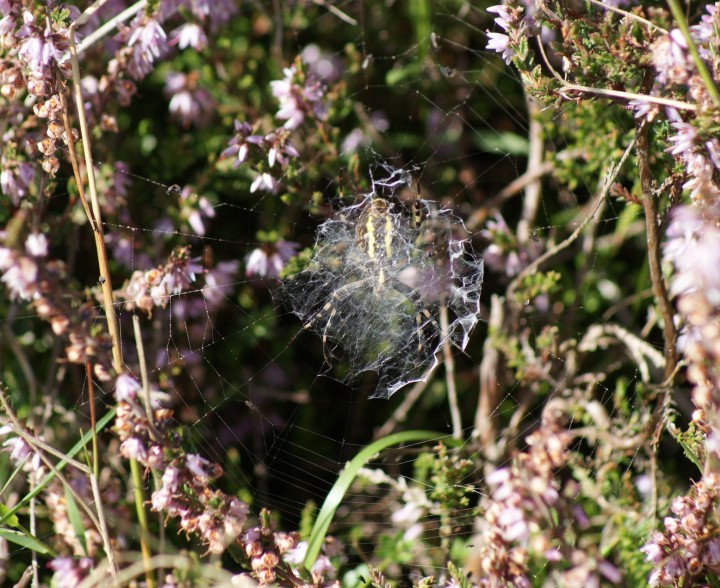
[502, 220]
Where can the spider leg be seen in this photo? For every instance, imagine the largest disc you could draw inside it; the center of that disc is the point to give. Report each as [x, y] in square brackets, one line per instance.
[331, 307]
[422, 319]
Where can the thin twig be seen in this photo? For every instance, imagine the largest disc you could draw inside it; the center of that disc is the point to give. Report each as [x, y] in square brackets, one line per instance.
[449, 362]
[134, 467]
[337, 12]
[531, 200]
[631, 96]
[33, 531]
[143, 367]
[653, 243]
[74, 162]
[485, 428]
[96, 215]
[93, 420]
[611, 93]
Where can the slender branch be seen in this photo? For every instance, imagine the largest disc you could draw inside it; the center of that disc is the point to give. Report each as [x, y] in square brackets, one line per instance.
[337, 12]
[135, 466]
[449, 362]
[531, 201]
[485, 428]
[93, 420]
[653, 244]
[143, 368]
[612, 93]
[96, 215]
[632, 96]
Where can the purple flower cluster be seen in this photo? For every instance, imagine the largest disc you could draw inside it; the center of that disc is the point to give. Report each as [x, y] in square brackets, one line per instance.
[676, 72]
[275, 145]
[503, 254]
[693, 247]
[21, 454]
[689, 546]
[527, 496]
[300, 96]
[28, 275]
[185, 493]
[511, 19]
[155, 287]
[217, 519]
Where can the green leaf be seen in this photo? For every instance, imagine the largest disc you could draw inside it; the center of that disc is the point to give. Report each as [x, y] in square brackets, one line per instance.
[25, 540]
[12, 520]
[75, 519]
[345, 479]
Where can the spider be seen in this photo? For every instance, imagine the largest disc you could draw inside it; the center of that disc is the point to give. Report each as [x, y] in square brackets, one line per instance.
[374, 290]
[379, 273]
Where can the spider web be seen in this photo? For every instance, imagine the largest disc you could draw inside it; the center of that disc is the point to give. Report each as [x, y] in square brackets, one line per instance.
[375, 284]
[254, 386]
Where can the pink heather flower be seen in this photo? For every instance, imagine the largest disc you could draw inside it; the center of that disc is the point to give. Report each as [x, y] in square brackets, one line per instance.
[353, 141]
[133, 448]
[196, 209]
[189, 35]
[504, 18]
[7, 32]
[189, 103]
[15, 179]
[36, 245]
[280, 149]
[219, 282]
[171, 479]
[196, 466]
[297, 555]
[705, 32]
[240, 143]
[265, 263]
[19, 450]
[20, 274]
[324, 66]
[40, 48]
[500, 43]
[644, 108]
[126, 388]
[514, 525]
[711, 557]
[149, 42]
[161, 499]
[671, 60]
[264, 181]
[70, 571]
[296, 101]
[684, 140]
[693, 246]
